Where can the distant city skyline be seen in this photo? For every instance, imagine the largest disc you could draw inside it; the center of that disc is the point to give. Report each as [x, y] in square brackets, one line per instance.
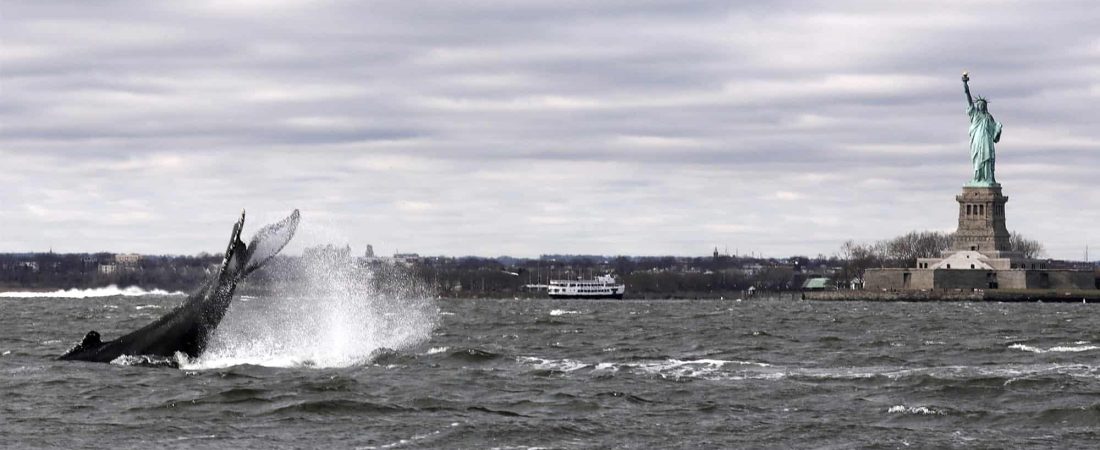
[494, 128]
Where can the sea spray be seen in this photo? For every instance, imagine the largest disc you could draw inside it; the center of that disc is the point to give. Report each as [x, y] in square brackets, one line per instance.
[325, 310]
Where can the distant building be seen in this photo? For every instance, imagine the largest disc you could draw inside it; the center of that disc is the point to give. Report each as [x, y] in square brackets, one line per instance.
[107, 269]
[29, 265]
[128, 259]
[752, 269]
[404, 259]
[817, 284]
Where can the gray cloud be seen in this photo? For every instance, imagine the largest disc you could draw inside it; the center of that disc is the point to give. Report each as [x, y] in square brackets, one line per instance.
[485, 127]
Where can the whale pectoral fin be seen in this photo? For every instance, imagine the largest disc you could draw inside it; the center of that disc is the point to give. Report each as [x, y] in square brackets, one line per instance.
[267, 242]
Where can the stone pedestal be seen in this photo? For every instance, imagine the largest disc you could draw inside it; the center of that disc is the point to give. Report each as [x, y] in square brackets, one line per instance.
[982, 221]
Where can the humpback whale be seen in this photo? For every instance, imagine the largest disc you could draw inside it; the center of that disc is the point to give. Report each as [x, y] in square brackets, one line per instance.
[188, 327]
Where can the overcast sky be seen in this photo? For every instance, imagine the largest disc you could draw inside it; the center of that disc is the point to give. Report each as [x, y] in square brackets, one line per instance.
[551, 126]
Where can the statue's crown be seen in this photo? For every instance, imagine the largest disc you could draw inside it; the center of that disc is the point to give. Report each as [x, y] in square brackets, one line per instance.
[981, 99]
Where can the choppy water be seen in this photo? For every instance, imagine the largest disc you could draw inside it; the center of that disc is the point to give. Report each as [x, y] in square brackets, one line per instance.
[569, 374]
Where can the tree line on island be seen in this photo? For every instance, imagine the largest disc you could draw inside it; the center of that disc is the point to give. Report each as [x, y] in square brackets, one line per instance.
[903, 251]
[506, 277]
[714, 276]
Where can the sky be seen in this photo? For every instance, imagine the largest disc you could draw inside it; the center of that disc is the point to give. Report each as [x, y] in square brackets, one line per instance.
[617, 127]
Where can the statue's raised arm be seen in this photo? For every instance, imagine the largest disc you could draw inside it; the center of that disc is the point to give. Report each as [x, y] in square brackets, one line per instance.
[966, 88]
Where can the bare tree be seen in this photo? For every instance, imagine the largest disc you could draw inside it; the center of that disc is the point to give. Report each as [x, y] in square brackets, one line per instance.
[1027, 247]
[904, 250]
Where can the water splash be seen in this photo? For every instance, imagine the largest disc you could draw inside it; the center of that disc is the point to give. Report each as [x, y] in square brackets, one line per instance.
[109, 291]
[324, 312]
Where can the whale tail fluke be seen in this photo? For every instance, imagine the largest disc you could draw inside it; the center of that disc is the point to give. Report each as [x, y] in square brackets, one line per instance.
[235, 253]
[241, 260]
[269, 241]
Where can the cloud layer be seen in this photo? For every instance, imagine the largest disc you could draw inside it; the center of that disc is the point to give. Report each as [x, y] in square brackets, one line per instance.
[487, 127]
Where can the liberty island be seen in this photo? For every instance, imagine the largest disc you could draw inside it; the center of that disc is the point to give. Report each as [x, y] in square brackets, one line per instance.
[981, 257]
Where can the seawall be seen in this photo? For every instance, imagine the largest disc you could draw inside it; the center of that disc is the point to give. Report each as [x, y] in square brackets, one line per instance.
[958, 295]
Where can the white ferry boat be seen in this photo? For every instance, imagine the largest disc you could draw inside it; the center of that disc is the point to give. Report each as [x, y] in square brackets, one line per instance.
[603, 286]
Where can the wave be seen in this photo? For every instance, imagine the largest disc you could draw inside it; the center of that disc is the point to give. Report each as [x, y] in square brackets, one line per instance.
[109, 291]
[1056, 349]
[737, 370]
[668, 368]
[915, 410]
[560, 312]
[473, 355]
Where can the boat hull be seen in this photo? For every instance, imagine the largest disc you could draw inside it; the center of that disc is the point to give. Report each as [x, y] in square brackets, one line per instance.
[588, 296]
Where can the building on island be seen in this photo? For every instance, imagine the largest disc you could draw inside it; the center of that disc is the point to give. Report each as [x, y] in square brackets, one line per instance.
[128, 259]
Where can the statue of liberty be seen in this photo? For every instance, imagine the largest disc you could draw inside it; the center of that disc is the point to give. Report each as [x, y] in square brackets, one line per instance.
[984, 132]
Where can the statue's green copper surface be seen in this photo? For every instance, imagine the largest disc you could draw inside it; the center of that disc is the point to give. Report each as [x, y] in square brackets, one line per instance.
[984, 133]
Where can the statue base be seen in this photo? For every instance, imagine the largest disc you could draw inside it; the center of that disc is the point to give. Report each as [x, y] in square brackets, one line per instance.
[982, 220]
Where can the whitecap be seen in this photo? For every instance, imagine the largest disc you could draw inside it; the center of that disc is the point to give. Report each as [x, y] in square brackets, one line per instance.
[561, 312]
[109, 291]
[1056, 349]
[918, 410]
[564, 365]
[669, 368]
[435, 350]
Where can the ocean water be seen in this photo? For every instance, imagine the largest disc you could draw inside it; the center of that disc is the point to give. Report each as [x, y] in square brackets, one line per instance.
[303, 373]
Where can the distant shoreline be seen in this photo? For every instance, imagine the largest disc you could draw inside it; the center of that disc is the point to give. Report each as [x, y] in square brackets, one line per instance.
[255, 291]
